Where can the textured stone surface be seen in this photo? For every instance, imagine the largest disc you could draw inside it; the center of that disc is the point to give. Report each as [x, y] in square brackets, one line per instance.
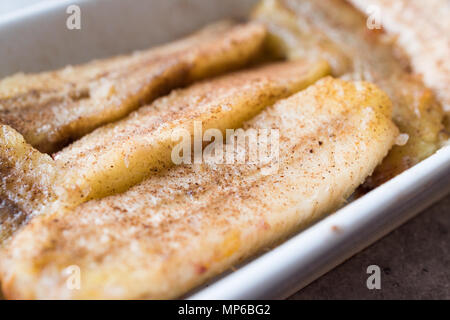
[414, 262]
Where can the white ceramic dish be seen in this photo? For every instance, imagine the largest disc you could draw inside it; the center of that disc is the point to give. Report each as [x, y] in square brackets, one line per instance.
[37, 38]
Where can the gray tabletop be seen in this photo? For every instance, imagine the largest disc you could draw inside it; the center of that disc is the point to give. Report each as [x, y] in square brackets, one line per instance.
[414, 261]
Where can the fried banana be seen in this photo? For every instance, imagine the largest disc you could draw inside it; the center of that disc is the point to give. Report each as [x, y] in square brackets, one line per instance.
[337, 32]
[52, 109]
[26, 175]
[183, 226]
[423, 31]
[119, 155]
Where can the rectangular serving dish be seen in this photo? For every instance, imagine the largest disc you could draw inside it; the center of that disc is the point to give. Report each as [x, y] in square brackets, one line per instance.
[36, 39]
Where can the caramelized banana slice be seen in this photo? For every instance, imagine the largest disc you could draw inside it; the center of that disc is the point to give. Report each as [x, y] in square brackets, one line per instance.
[293, 38]
[54, 108]
[27, 178]
[10, 219]
[176, 229]
[117, 156]
[26, 175]
[337, 32]
[423, 31]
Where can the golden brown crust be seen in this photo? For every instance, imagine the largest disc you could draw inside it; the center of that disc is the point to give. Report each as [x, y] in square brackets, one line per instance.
[179, 228]
[54, 108]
